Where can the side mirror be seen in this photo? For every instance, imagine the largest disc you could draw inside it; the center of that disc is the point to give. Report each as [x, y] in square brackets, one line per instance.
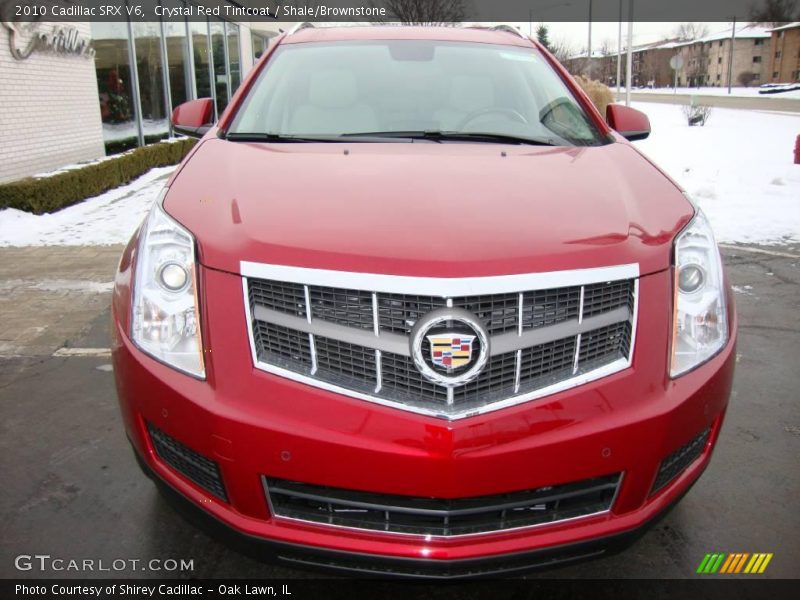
[193, 118]
[630, 123]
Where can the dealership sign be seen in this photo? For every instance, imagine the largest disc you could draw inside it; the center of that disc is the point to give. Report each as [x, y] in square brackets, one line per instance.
[25, 38]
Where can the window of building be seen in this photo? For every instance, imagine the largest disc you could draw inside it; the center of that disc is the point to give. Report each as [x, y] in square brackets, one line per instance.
[172, 62]
[259, 44]
[758, 42]
[719, 60]
[202, 63]
[219, 52]
[234, 65]
[756, 59]
[115, 85]
[178, 63]
[149, 66]
[777, 54]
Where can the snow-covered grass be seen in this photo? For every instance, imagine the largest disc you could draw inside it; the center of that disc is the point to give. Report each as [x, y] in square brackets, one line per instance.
[109, 218]
[716, 91]
[739, 168]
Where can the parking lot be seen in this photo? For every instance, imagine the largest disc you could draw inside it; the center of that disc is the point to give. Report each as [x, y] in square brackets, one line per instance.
[73, 490]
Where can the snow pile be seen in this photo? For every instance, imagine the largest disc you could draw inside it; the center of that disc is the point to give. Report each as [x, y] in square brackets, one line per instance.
[717, 91]
[738, 168]
[109, 218]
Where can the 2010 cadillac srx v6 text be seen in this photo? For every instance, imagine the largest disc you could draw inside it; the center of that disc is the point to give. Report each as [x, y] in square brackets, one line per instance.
[412, 306]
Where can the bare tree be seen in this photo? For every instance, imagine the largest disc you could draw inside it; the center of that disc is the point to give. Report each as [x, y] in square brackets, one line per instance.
[562, 50]
[655, 68]
[425, 12]
[774, 12]
[687, 32]
[746, 78]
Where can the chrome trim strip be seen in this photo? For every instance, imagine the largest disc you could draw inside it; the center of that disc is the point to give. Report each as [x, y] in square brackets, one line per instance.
[517, 371]
[388, 342]
[577, 354]
[520, 300]
[450, 396]
[580, 305]
[399, 344]
[635, 319]
[604, 371]
[312, 345]
[442, 287]
[376, 323]
[427, 536]
[616, 492]
[378, 371]
[510, 341]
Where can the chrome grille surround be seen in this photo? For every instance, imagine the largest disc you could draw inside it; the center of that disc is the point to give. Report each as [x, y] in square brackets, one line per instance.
[348, 332]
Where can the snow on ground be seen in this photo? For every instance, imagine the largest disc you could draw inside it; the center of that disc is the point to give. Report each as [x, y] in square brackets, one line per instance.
[738, 168]
[715, 91]
[109, 218]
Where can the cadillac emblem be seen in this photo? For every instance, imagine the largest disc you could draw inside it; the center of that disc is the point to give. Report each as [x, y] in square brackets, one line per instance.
[451, 350]
[450, 346]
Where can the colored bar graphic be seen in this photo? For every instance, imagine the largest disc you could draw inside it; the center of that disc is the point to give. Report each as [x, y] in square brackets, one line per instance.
[722, 563]
[703, 563]
[728, 563]
[765, 563]
[718, 563]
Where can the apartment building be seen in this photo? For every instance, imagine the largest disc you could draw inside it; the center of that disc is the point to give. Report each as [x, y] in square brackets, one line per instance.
[784, 59]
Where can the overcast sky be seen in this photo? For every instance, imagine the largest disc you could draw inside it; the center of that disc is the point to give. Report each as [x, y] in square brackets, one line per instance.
[576, 34]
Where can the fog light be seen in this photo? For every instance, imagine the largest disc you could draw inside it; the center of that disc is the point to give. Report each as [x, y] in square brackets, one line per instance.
[173, 277]
[690, 278]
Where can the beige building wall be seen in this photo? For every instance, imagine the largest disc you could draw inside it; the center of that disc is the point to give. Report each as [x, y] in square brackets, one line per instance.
[784, 60]
[750, 55]
[49, 114]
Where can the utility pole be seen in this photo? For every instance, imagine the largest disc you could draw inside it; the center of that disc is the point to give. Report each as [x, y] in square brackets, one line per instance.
[619, 54]
[629, 66]
[730, 56]
[589, 60]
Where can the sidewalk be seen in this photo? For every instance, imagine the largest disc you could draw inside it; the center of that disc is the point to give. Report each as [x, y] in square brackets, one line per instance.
[50, 294]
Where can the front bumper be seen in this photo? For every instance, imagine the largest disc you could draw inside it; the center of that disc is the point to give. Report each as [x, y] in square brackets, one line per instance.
[255, 424]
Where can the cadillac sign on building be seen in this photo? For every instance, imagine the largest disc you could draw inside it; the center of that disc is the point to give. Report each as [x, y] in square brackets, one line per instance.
[25, 38]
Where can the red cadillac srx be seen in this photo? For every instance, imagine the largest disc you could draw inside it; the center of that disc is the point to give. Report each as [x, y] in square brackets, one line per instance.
[412, 306]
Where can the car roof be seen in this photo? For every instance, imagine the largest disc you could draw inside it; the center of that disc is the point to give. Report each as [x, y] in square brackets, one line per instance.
[405, 32]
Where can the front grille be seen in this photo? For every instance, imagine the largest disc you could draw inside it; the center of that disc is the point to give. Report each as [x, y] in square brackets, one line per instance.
[331, 335]
[674, 464]
[436, 516]
[196, 467]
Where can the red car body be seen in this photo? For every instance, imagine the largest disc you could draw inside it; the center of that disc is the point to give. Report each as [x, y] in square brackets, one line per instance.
[591, 207]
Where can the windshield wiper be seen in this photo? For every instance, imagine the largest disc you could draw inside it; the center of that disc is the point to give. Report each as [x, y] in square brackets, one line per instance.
[457, 136]
[278, 137]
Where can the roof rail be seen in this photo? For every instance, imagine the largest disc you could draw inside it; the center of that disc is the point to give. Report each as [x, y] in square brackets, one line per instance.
[509, 29]
[299, 26]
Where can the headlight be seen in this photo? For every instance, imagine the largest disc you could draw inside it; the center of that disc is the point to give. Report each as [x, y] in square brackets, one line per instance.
[700, 325]
[166, 323]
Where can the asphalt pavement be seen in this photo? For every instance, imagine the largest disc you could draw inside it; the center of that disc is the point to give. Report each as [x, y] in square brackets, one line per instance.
[72, 489]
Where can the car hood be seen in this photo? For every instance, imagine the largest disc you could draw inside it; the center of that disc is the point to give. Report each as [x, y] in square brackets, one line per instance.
[427, 209]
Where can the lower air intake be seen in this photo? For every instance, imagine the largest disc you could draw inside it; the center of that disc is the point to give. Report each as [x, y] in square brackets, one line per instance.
[674, 464]
[199, 469]
[440, 517]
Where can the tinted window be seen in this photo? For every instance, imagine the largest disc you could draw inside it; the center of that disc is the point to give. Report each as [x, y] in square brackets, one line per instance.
[419, 85]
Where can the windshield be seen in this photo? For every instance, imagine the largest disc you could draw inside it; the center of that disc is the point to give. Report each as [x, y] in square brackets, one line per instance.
[413, 88]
